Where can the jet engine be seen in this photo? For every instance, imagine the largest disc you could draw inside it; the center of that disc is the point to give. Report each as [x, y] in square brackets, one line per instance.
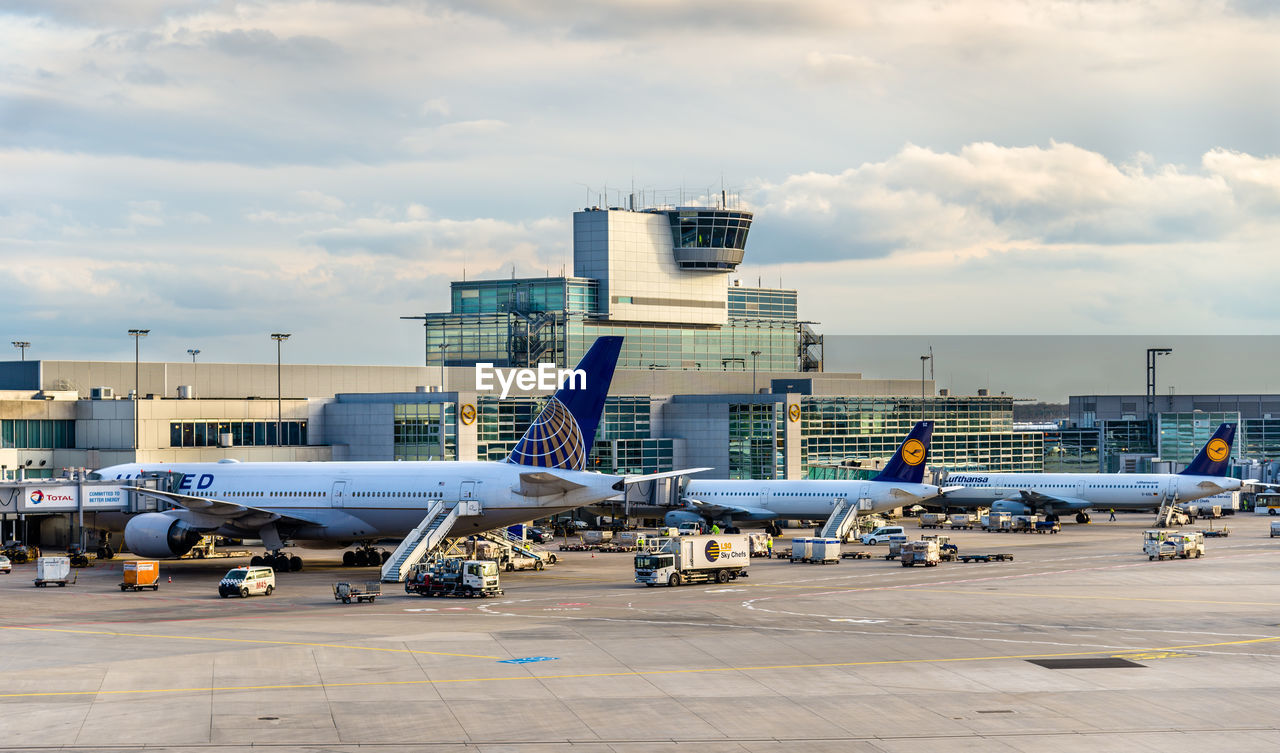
[155, 534]
[1011, 507]
[676, 517]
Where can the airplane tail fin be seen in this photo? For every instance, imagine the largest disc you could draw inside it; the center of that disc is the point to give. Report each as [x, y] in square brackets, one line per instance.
[1215, 455]
[561, 435]
[907, 464]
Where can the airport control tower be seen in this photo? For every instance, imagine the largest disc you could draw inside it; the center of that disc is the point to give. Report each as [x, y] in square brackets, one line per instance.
[660, 276]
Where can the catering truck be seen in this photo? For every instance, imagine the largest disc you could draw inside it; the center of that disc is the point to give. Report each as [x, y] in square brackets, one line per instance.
[695, 559]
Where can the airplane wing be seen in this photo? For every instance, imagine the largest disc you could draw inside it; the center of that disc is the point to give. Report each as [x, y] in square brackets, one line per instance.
[733, 511]
[1039, 499]
[628, 480]
[544, 483]
[215, 512]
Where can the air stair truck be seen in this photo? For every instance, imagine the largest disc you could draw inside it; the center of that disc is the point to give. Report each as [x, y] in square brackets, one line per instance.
[695, 559]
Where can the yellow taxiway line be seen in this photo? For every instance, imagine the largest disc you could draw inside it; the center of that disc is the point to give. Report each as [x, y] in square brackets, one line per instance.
[632, 673]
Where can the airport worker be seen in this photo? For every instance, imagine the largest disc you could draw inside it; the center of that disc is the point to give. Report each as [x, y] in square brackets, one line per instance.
[768, 545]
[640, 541]
[715, 529]
[1113, 515]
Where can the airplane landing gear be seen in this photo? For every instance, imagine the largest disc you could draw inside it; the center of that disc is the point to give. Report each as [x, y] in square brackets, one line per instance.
[278, 561]
[365, 557]
[1082, 517]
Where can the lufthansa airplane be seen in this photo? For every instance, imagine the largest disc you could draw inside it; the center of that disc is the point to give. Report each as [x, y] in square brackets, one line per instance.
[340, 503]
[1057, 493]
[729, 502]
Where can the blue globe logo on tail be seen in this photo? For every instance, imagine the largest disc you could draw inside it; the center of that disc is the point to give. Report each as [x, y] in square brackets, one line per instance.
[553, 441]
[562, 434]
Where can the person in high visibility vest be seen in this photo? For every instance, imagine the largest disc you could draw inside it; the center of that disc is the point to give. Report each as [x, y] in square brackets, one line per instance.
[768, 545]
[715, 529]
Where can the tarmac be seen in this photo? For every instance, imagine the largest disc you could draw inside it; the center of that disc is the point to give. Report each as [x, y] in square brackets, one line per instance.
[865, 655]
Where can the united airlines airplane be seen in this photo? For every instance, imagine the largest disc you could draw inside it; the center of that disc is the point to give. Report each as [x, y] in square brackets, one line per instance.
[729, 502]
[1053, 494]
[340, 503]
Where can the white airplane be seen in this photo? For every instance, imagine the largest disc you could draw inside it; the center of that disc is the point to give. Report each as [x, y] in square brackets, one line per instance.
[340, 503]
[728, 502]
[1056, 493]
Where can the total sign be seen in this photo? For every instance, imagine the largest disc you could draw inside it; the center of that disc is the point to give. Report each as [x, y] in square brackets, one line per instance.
[50, 498]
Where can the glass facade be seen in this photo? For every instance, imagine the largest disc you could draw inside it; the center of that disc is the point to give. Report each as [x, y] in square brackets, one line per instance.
[756, 447]
[1071, 450]
[1181, 435]
[37, 434]
[1259, 439]
[243, 433]
[970, 433]
[762, 303]
[709, 228]
[425, 431]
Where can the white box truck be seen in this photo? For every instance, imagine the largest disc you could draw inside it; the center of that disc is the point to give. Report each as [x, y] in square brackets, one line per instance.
[695, 559]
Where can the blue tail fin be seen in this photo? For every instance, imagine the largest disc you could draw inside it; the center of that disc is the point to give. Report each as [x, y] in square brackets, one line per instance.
[1215, 455]
[561, 435]
[907, 465]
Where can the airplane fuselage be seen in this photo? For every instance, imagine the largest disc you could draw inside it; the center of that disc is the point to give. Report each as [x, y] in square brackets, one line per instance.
[348, 501]
[802, 499]
[1120, 491]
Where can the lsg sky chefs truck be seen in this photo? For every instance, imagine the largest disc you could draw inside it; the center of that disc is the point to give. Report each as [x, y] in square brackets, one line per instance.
[695, 559]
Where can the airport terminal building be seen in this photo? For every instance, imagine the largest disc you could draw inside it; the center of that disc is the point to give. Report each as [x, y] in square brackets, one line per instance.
[712, 374]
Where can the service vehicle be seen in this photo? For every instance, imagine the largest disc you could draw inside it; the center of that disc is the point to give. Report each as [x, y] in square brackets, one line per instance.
[247, 581]
[521, 562]
[924, 552]
[1275, 531]
[801, 549]
[695, 559]
[691, 528]
[455, 577]
[963, 520]
[1156, 544]
[7, 567]
[1048, 526]
[53, 570]
[882, 535]
[986, 557]
[824, 551]
[1203, 510]
[934, 520]
[760, 544]
[596, 538]
[361, 592]
[1187, 544]
[140, 575]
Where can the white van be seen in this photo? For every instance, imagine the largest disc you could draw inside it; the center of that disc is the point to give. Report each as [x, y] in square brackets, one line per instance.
[882, 534]
[246, 581]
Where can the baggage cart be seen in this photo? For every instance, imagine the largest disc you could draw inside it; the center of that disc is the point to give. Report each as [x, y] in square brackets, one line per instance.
[855, 555]
[141, 575]
[53, 571]
[345, 592]
[986, 557]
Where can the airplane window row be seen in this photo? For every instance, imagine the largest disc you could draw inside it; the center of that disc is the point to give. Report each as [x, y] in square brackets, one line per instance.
[427, 495]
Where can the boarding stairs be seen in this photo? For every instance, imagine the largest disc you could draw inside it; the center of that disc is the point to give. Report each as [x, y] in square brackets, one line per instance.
[1168, 509]
[842, 520]
[429, 534]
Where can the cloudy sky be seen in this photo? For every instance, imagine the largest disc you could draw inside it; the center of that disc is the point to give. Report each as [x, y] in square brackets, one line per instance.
[217, 171]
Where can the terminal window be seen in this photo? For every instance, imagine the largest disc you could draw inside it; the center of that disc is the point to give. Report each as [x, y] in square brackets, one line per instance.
[242, 433]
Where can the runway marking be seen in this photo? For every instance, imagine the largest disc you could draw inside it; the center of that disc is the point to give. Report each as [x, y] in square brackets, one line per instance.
[1151, 655]
[632, 673]
[1102, 598]
[250, 640]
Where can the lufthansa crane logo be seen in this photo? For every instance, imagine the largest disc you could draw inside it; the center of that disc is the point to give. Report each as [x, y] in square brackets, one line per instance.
[1217, 450]
[913, 452]
[793, 412]
[467, 413]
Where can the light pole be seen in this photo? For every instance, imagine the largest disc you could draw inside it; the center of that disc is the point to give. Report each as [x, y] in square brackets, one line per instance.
[22, 345]
[1151, 386]
[279, 337]
[923, 359]
[443, 347]
[137, 335]
[755, 354]
[193, 352]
